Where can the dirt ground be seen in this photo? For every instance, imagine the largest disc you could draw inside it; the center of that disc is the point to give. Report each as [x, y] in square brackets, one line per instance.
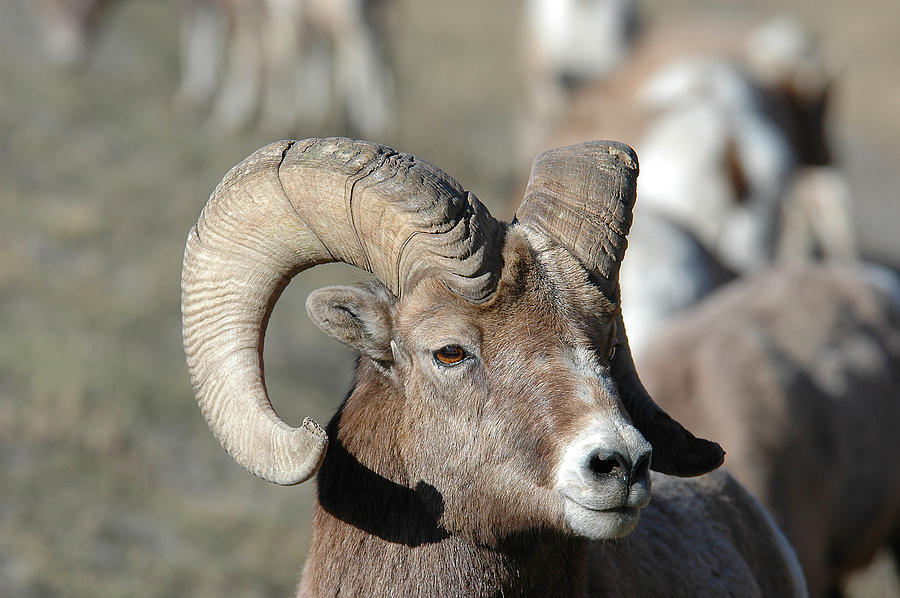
[110, 482]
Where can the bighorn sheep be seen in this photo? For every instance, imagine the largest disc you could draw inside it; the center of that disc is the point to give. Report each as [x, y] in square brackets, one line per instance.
[729, 120]
[496, 425]
[280, 60]
[797, 372]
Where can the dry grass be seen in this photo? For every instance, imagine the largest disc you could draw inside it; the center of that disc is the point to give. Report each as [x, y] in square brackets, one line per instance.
[111, 483]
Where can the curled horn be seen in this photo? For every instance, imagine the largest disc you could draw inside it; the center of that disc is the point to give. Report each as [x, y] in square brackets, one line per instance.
[581, 198]
[287, 207]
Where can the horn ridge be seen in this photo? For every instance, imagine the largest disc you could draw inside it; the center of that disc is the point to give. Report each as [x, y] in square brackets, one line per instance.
[581, 197]
[287, 207]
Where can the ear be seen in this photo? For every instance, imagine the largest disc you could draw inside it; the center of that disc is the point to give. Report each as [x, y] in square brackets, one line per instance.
[675, 450]
[357, 316]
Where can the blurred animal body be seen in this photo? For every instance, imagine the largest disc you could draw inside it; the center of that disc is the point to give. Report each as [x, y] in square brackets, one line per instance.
[797, 372]
[565, 44]
[729, 119]
[281, 61]
[779, 58]
[497, 440]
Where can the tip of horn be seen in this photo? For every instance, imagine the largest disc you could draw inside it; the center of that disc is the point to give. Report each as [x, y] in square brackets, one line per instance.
[301, 453]
[603, 154]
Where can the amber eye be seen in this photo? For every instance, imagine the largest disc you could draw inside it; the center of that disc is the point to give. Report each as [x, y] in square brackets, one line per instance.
[450, 355]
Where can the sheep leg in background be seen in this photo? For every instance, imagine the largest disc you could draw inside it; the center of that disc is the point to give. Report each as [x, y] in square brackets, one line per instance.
[361, 78]
[204, 32]
[69, 27]
[314, 84]
[282, 51]
[816, 218]
[242, 86]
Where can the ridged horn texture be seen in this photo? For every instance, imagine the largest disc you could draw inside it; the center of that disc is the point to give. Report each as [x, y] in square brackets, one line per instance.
[581, 197]
[287, 207]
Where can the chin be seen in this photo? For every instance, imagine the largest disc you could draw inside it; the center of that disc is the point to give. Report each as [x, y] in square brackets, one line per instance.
[601, 524]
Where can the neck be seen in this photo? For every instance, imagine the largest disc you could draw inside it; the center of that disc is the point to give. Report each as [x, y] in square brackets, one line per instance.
[373, 536]
[346, 561]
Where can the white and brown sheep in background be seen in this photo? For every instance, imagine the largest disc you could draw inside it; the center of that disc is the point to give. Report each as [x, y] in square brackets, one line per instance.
[797, 373]
[282, 62]
[497, 440]
[729, 117]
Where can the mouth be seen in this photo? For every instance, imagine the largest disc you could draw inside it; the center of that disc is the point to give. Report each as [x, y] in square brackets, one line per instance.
[600, 522]
[623, 510]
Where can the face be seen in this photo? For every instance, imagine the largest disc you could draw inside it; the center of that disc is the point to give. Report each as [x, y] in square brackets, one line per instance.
[511, 408]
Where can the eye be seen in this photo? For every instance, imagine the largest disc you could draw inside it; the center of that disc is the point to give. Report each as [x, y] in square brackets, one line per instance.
[450, 355]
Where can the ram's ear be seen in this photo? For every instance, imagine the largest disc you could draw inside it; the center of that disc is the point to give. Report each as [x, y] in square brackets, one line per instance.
[357, 316]
[675, 450]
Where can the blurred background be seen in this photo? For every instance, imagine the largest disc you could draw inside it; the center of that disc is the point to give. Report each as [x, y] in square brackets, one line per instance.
[110, 482]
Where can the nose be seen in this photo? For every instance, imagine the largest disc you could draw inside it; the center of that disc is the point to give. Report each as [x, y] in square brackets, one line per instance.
[603, 465]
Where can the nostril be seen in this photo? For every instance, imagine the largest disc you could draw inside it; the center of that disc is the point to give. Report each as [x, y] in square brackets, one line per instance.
[609, 465]
[602, 466]
[641, 468]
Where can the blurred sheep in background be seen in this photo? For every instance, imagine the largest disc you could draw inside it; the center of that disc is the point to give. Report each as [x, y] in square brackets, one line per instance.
[729, 118]
[796, 371]
[287, 60]
[278, 62]
[736, 164]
